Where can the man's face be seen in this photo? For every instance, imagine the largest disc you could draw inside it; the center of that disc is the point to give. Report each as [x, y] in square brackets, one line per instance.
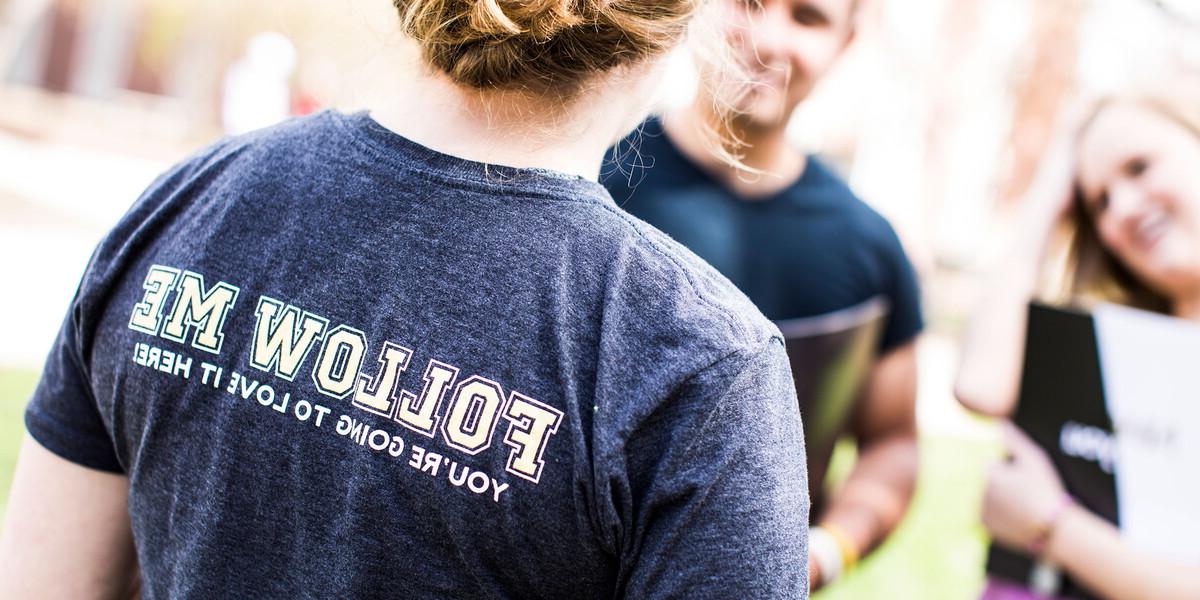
[786, 46]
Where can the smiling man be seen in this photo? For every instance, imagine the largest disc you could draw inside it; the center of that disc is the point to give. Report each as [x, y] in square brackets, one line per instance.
[797, 241]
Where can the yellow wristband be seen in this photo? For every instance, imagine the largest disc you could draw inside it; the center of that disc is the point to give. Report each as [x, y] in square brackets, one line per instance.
[845, 544]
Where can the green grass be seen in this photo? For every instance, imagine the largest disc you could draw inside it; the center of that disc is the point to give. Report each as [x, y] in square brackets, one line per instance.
[937, 553]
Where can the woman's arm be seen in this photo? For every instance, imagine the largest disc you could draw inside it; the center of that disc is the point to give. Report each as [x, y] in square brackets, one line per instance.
[1092, 551]
[990, 367]
[67, 532]
[1022, 510]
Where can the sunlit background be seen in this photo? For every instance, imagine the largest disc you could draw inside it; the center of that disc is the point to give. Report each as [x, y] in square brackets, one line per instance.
[937, 116]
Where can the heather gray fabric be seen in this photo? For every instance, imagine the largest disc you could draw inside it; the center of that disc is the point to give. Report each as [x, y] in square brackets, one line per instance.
[335, 363]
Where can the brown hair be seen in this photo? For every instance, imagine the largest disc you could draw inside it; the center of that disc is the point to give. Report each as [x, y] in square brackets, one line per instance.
[1095, 273]
[540, 45]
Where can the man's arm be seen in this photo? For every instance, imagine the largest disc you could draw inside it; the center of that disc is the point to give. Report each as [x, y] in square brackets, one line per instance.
[873, 500]
[66, 532]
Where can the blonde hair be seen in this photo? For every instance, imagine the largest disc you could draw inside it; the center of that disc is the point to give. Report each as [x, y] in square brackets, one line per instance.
[1094, 272]
[543, 46]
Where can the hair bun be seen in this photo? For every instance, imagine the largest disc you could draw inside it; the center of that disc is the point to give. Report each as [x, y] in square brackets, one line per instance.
[540, 44]
[541, 19]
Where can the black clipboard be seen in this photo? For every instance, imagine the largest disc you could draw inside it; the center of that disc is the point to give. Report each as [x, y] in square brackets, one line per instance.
[831, 355]
[1062, 394]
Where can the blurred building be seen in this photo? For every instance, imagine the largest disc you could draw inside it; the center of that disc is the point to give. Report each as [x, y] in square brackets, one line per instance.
[937, 115]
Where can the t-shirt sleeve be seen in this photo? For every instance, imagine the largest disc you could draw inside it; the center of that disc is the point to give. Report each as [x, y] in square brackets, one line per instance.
[63, 415]
[720, 487]
[905, 320]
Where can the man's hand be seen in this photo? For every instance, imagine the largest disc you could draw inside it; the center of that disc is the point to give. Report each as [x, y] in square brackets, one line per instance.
[875, 496]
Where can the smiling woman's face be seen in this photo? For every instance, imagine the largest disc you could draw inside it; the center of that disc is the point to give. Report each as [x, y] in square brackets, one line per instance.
[1139, 174]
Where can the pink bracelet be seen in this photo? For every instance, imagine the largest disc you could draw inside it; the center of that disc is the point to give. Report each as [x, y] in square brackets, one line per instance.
[1046, 527]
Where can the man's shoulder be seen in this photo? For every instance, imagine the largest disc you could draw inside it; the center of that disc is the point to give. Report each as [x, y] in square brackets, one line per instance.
[819, 174]
[822, 185]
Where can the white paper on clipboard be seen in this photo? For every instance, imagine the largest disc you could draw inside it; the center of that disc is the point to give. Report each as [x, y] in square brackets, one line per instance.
[1151, 369]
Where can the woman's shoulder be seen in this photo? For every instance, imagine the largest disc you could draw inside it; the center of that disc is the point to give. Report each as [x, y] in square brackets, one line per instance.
[673, 291]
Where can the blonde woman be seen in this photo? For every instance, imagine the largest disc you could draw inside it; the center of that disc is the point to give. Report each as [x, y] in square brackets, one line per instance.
[1132, 199]
[418, 352]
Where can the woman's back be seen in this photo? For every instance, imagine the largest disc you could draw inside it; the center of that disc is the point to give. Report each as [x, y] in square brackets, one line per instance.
[334, 362]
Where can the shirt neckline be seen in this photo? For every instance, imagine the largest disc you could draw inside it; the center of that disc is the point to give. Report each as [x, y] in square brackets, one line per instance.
[407, 153]
[806, 177]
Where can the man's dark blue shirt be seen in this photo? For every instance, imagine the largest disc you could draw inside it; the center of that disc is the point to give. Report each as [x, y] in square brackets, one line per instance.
[809, 249]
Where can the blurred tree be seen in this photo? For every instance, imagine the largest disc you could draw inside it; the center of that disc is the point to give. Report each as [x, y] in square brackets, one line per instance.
[21, 30]
[1042, 86]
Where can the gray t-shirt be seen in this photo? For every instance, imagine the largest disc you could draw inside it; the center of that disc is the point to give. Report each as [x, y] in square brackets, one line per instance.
[336, 363]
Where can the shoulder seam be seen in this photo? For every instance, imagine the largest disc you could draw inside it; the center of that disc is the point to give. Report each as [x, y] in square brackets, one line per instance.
[734, 325]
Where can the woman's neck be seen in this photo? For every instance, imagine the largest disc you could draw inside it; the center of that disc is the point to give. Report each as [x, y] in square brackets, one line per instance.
[499, 127]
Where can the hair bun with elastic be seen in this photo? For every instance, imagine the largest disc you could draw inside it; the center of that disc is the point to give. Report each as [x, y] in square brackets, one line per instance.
[540, 19]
